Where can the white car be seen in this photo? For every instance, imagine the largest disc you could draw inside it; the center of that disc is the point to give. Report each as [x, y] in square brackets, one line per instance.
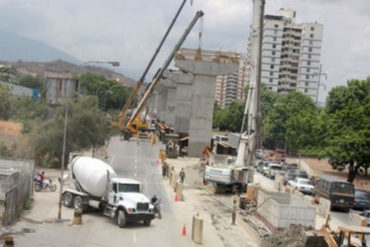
[304, 185]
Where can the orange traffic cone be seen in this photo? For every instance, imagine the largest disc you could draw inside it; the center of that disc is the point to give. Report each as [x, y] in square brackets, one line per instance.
[183, 233]
[176, 198]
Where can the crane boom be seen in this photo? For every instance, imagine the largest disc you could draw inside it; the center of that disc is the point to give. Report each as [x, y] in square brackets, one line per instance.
[248, 139]
[164, 67]
[135, 92]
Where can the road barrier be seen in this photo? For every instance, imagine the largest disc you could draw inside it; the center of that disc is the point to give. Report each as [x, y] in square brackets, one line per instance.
[77, 218]
[179, 189]
[197, 229]
[8, 241]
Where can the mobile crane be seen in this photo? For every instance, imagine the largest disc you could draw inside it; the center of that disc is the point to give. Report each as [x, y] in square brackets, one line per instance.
[237, 175]
[137, 125]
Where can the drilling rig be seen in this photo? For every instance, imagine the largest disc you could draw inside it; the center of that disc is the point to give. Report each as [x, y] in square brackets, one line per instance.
[236, 175]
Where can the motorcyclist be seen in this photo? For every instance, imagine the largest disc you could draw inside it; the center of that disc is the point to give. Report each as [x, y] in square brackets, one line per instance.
[154, 199]
[157, 207]
[42, 178]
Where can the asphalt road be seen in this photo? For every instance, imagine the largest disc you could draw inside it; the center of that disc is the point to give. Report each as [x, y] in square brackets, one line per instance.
[130, 160]
[137, 160]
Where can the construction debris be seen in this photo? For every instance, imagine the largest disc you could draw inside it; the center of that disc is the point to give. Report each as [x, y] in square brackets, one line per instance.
[254, 222]
[295, 236]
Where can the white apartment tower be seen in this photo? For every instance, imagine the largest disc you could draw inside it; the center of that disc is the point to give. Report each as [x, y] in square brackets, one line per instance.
[290, 54]
[230, 87]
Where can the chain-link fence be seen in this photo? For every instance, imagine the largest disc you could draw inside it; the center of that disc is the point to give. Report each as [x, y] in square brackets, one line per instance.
[16, 187]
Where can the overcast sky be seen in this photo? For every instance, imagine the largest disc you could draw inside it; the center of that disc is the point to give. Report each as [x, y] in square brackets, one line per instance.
[129, 31]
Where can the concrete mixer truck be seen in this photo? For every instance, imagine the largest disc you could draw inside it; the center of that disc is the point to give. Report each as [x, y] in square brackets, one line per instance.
[94, 184]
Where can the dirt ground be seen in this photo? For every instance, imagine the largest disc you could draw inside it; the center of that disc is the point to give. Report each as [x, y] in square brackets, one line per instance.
[215, 209]
[323, 166]
[9, 128]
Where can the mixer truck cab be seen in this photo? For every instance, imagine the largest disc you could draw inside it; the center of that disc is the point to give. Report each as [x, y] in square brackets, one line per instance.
[127, 203]
[94, 184]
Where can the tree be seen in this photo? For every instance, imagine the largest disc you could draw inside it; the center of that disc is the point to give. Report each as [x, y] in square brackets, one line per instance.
[87, 128]
[229, 118]
[268, 99]
[283, 109]
[5, 102]
[306, 132]
[111, 95]
[32, 81]
[349, 127]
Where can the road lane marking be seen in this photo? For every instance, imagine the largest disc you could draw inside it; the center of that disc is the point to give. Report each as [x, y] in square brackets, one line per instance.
[134, 237]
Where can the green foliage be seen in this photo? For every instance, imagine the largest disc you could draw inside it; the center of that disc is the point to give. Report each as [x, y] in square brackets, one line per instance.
[27, 204]
[87, 127]
[283, 109]
[111, 95]
[349, 125]
[229, 118]
[5, 102]
[268, 99]
[31, 81]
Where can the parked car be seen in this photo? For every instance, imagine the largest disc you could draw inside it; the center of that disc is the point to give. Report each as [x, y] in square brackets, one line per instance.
[339, 192]
[266, 168]
[289, 166]
[303, 185]
[272, 170]
[261, 165]
[259, 154]
[362, 200]
[300, 174]
[290, 176]
[366, 214]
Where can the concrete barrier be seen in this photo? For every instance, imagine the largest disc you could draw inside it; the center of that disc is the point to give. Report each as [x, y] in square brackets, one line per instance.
[179, 189]
[197, 229]
[280, 210]
[323, 207]
[356, 219]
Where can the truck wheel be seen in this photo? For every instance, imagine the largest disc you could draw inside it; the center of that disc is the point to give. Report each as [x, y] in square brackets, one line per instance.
[78, 203]
[147, 222]
[121, 219]
[68, 199]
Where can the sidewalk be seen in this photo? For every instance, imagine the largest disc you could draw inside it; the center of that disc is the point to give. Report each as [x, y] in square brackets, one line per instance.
[215, 210]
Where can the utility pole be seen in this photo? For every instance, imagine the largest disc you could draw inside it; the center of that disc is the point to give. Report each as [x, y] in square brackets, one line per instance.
[63, 152]
[319, 83]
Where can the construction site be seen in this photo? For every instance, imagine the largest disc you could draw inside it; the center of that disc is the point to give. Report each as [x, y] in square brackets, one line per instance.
[210, 188]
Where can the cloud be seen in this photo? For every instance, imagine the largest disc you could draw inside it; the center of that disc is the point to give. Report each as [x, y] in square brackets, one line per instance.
[129, 31]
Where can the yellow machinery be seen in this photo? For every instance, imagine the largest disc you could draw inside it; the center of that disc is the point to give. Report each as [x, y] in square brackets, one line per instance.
[134, 127]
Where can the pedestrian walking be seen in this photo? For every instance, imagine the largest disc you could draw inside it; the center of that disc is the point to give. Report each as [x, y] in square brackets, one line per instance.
[164, 169]
[182, 175]
[234, 209]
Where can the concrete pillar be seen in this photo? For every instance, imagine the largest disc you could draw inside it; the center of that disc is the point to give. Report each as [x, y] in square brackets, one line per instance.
[162, 99]
[202, 99]
[184, 83]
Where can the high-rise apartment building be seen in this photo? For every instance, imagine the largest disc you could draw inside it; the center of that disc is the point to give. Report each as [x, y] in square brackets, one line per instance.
[291, 54]
[230, 87]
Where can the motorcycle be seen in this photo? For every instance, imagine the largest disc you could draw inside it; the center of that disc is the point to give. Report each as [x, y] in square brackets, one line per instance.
[157, 208]
[46, 184]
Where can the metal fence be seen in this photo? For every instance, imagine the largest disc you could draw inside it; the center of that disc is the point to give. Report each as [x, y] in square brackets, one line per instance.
[16, 187]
